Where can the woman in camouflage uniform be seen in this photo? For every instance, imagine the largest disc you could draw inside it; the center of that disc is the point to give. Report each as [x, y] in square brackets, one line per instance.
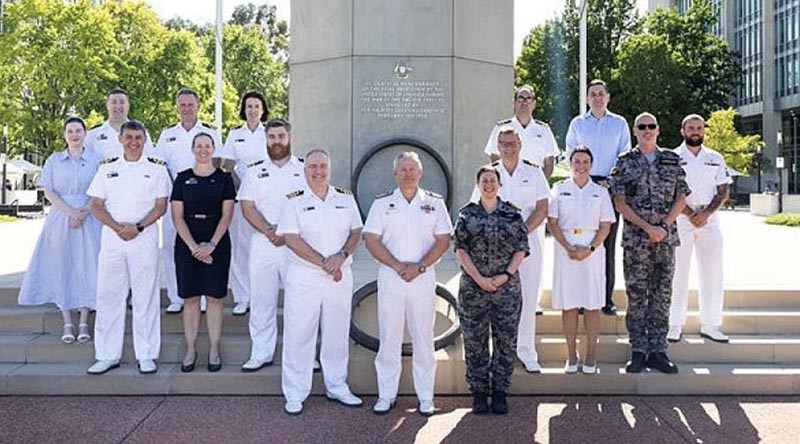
[490, 242]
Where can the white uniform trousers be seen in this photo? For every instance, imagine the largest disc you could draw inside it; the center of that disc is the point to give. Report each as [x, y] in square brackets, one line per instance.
[122, 265]
[168, 234]
[314, 300]
[540, 234]
[268, 265]
[530, 275]
[706, 242]
[241, 233]
[400, 303]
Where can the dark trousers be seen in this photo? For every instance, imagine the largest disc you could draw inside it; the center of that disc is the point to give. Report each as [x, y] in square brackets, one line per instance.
[610, 245]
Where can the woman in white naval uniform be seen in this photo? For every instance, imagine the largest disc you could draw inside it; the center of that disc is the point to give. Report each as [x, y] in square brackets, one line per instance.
[579, 217]
[245, 146]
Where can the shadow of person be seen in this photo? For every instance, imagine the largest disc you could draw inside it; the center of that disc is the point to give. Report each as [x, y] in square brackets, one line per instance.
[708, 420]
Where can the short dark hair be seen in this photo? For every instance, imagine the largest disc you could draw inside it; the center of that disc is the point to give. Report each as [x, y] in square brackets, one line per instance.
[596, 82]
[132, 125]
[187, 91]
[278, 123]
[581, 149]
[74, 119]
[254, 95]
[487, 169]
[201, 134]
[116, 91]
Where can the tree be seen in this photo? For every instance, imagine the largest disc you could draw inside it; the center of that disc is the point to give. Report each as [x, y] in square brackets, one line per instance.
[266, 17]
[738, 150]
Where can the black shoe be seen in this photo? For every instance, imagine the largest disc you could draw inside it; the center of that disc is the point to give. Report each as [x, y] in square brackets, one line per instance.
[190, 367]
[539, 312]
[610, 310]
[479, 404]
[499, 404]
[214, 367]
[659, 361]
[636, 364]
[581, 310]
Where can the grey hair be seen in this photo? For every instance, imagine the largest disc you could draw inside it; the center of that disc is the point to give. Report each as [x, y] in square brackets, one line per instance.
[406, 155]
[322, 151]
[642, 116]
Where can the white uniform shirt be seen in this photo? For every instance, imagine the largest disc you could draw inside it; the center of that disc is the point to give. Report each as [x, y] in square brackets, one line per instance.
[408, 229]
[537, 139]
[267, 185]
[175, 146]
[245, 147]
[103, 141]
[704, 173]
[524, 189]
[324, 225]
[577, 207]
[130, 189]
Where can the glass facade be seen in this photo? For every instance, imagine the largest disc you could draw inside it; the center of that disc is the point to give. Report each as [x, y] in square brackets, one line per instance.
[748, 41]
[787, 47]
[720, 5]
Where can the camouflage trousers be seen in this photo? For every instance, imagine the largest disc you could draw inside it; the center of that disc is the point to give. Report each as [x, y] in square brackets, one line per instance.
[479, 313]
[648, 272]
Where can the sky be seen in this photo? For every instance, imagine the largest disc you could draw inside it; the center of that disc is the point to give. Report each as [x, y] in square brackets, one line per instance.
[527, 13]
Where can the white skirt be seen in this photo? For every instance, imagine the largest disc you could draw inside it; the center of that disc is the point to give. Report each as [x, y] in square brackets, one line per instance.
[579, 283]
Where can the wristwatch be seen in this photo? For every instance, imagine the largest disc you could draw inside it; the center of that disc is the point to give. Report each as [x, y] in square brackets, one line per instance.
[421, 268]
[139, 227]
[508, 273]
[344, 253]
[591, 248]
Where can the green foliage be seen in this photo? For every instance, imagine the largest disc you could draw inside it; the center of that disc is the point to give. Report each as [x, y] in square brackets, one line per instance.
[738, 150]
[5, 218]
[786, 219]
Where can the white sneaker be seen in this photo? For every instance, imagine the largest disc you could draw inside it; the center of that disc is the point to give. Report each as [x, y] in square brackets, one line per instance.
[147, 366]
[674, 334]
[102, 366]
[383, 406]
[588, 369]
[293, 407]
[714, 334]
[317, 366]
[175, 308]
[253, 365]
[532, 366]
[426, 407]
[241, 309]
[347, 399]
[203, 304]
[571, 369]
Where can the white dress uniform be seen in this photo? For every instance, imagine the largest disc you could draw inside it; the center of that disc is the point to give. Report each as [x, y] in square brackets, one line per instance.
[408, 231]
[267, 185]
[524, 189]
[130, 190]
[537, 139]
[103, 141]
[312, 298]
[246, 148]
[704, 173]
[579, 212]
[175, 148]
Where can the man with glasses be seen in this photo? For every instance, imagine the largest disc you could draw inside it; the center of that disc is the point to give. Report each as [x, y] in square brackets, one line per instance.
[607, 135]
[649, 190]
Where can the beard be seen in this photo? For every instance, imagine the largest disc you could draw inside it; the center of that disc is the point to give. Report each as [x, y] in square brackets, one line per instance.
[278, 151]
[693, 141]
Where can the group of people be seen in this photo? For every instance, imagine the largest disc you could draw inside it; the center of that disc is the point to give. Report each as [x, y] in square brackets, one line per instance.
[252, 216]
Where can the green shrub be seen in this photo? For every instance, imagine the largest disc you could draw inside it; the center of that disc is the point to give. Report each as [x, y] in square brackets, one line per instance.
[4, 218]
[787, 219]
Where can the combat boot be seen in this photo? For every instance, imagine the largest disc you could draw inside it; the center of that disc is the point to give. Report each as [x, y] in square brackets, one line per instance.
[479, 404]
[659, 361]
[499, 404]
[636, 364]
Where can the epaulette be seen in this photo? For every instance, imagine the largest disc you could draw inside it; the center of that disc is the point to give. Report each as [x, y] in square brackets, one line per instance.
[295, 194]
[626, 153]
[530, 162]
[468, 205]
[382, 195]
[109, 160]
[156, 161]
[503, 122]
[670, 153]
[301, 160]
[208, 125]
[496, 163]
[432, 194]
[256, 163]
[343, 191]
[540, 122]
[511, 204]
[96, 126]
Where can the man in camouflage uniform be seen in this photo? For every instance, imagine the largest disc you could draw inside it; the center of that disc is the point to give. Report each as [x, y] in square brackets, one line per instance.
[649, 190]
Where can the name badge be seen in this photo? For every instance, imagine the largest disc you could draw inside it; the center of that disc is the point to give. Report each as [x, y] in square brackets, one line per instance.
[102, 137]
[262, 175]
[171, 139]
[564, 193]
[191, 181]
[112, 175]
[341, 207]
[296, 174]
[146, 176]
[308, 208]
[239, 140]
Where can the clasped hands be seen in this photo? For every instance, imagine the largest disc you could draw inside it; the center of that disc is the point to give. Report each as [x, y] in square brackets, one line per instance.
[492, 284]
[578, 252]
[333, 266]
[203, 252]
[76, 218]
[407, 271]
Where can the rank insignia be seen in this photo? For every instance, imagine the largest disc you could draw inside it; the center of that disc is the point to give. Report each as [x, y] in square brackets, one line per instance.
[112, 175]
[428, 208]
[308, 208]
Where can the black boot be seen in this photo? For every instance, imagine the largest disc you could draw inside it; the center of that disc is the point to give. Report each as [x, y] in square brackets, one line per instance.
[499, 404]
[479, 404]
[659, 361]
[636, 364]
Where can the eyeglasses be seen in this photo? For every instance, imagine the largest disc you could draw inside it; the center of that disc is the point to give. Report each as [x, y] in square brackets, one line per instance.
[529, 99]
[644, 126]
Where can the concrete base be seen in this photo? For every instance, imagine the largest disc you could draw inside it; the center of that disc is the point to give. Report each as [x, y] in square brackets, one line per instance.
[763, 204]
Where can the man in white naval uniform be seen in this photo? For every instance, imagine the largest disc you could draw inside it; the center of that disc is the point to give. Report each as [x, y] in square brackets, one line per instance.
[175, 148]
[263, 196]
[245, 147]
[698, 229]
[523, 184]
[103, 139]
[129, 194]
[322, 227]
[407, 231]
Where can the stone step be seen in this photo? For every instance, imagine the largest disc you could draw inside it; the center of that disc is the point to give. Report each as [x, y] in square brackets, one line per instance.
[760, 349]
[720, 379]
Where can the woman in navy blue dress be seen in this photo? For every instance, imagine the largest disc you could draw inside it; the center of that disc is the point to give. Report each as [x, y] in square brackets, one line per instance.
[202, 207]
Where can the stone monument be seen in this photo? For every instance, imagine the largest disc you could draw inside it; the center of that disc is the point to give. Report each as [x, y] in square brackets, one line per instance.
[371, 78]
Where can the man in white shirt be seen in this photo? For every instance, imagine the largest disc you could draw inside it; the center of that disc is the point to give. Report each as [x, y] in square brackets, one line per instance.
[103, 139]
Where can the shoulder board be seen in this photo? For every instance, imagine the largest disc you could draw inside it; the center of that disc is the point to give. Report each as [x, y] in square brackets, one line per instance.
[503, 122]
[516, 208]
[670, 154]
[208, 125]
[432, 194]
[540, 122]
[295, 194]
[343, 190]
[301, 160]
[156, 161]
[109, 160]
[96, 126]
[382, 195]
[530, 162]
[496, 163]
[256, 163]
[468, 205]
[626, 153]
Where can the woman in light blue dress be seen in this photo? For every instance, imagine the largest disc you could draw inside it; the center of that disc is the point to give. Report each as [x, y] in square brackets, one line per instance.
[63, 268]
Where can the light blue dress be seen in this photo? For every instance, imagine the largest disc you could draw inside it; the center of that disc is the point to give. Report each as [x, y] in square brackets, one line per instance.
[63, 268]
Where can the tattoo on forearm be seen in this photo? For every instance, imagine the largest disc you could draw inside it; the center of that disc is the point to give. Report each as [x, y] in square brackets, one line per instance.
[722, 194]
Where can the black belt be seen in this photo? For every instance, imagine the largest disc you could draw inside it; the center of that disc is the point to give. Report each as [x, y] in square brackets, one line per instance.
[202, 216]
